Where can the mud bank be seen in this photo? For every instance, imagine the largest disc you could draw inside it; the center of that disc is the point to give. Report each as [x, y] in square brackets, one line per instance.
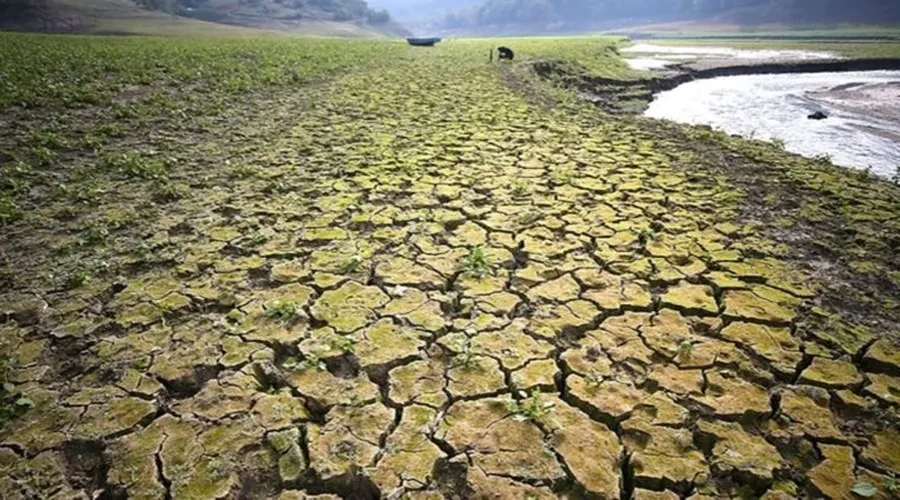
[685, 75]
[633, 96]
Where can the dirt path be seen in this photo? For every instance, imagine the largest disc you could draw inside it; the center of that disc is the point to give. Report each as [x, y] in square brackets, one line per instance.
[413, 283]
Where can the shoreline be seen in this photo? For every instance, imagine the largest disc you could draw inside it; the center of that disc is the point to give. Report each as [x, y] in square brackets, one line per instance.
[621, 96]
[633, 97]
[861, 131]
[751, 37]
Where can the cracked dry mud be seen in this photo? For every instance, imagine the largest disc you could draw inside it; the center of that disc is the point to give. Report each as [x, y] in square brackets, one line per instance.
[673, 350]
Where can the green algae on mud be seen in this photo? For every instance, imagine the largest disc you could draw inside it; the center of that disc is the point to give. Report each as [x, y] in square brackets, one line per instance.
[631, 279]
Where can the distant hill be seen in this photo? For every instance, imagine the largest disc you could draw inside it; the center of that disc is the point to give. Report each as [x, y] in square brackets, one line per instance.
[349, 18]
[545, 16]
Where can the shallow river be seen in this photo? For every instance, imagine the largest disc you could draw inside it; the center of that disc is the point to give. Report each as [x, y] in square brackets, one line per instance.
[863, 128]
[646, 56]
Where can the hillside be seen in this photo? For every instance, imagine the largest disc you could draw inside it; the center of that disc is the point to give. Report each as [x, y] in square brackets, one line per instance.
[280, 14]
[346, 18]
[542, 16]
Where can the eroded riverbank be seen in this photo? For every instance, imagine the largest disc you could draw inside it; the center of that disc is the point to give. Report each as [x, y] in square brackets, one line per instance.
[860, 132]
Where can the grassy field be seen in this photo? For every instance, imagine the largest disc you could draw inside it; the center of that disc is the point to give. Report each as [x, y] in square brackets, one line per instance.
[122, 17]
[152, 24]
[282, 267]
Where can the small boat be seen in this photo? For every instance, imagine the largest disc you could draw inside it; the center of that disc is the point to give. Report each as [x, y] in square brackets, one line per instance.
[423, 42]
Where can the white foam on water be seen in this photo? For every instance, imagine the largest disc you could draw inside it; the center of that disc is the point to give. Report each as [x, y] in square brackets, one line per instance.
[641, 54]
[777, 106]
[727, 52]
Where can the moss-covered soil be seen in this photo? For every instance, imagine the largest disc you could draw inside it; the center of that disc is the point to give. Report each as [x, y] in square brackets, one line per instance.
[283, 269]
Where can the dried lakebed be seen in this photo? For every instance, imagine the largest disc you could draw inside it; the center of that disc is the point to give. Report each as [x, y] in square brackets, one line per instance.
[383, 284]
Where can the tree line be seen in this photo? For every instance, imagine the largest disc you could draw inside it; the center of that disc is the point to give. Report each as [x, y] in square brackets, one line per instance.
[340, 10]
[738, 11]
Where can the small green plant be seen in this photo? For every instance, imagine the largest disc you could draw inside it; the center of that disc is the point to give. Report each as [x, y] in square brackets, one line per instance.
[242, 172]
[218, 469]
[64, 213]
[896, 177]
[822, 158]
[705, 256]
[126, 112]
[685, 350]
[532, 408]
[311, 361]
[684, 438]
[164, 191]
[865, 490]
[779, 143]
[45, 139]
[868, 490]
[464, 357]
[110, 130]
[476, 264]
[148, 253]
[92, 142]
[43, 156]
[9, 209]
[593, 379]
[519, 188]
[892, 484]
[564, 177]
[284, 310]
[253, 242]
[77, 279]
[86, 193]
[6, 277]
[94, 235]
[16, 177]
[134, 165]
[12, 404]
[314, 361]
[345, 345]
[83, 96]
[352, 265]
[530, 217]
[276, 186]
[864, 174]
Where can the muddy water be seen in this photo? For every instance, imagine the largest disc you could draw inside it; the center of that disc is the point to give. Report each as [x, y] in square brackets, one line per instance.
[862, 131]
